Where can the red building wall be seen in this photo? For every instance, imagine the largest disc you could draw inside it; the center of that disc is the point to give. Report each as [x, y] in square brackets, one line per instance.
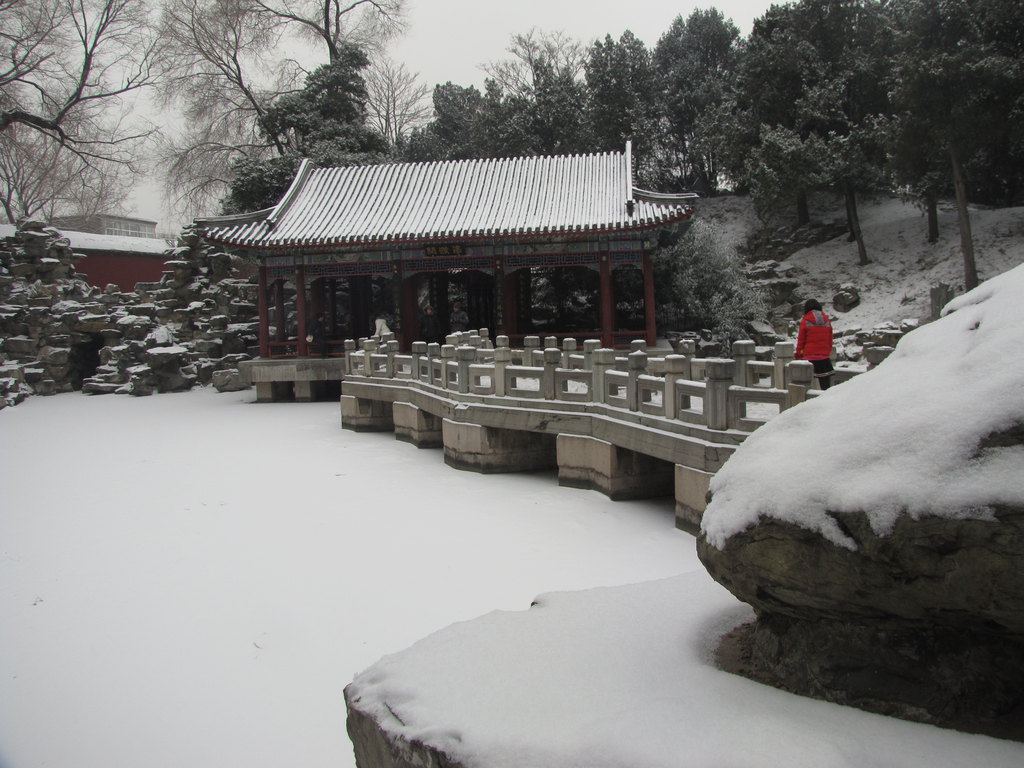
[122, 269]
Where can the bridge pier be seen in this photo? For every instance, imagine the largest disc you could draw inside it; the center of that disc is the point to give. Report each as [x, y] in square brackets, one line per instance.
[492, 450]
[364, 415]
[618, 473]
[691, 497]
[416, 426]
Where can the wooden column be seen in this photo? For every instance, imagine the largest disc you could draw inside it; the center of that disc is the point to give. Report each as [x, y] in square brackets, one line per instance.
[607, 302]
[280, 333]
[316, 295]
[650, 323]
[264, 309]
[510, 304]
[300, 308]
[332, 304]
[409, 322]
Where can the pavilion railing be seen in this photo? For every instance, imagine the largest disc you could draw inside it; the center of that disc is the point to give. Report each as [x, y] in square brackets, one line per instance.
[741, 392]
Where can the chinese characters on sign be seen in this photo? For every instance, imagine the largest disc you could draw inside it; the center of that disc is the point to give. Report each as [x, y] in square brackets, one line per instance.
[445, 249]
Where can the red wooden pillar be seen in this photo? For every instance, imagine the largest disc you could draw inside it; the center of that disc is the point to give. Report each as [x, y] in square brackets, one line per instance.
[300, 308]
[264, 309]
[649, 319]
[409, 311]
[316, 295]
[280, 332]
[510, 304]
[606, 299]
[332, 303]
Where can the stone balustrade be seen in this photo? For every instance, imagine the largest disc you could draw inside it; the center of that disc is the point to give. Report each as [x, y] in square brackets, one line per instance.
[738, 393]
[628, 424]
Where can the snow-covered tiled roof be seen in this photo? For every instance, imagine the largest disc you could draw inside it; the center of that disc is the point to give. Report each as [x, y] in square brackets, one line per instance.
[518, 197]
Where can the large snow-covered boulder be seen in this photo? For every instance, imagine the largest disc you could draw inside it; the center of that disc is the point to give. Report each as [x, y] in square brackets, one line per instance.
[878, 530]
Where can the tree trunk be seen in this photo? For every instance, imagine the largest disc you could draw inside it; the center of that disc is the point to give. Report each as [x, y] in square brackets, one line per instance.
[964, 219]
[803, 214]
[932, 207]
[853, 221]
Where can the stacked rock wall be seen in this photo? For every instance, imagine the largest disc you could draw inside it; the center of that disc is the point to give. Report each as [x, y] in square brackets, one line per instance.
[60, 334]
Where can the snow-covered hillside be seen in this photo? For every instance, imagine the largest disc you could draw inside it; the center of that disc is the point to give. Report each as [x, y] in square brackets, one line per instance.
[904, 265]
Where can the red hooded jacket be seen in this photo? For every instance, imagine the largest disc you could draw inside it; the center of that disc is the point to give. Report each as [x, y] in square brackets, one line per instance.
[814, 340]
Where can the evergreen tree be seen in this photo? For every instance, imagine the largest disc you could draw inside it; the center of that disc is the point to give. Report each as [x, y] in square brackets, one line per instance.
[455, 133]
[958, 95]
[326, 121]
[695, 62]
[622, 99]
[813, 91]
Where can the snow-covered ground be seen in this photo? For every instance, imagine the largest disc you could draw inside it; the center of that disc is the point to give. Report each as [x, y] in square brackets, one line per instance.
[904, 265]
[192, 579]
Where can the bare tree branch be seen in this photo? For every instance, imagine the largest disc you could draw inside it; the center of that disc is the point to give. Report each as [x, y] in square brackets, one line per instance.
[69, 64]
[398, 102]
[367, 23]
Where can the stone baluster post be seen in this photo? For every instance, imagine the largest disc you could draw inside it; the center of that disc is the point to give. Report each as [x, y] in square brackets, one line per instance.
[452, 339]
[784, 351]
[718, 379]
[677, 367]
[568, 348]
[485, 338]
[603, 360]
[688, 347]
[466, 355]
[419, 351]
[350, 349]
[501, 341]
[589, 347]
[447, 355]
[502, 359]
[743, 352]
[530, 344]
[638, 345]
[552, 359]
[390, 349]
[800, 377]
[369, 348]
[637, 364]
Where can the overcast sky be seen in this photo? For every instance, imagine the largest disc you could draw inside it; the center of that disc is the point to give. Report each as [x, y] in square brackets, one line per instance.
[450, 40]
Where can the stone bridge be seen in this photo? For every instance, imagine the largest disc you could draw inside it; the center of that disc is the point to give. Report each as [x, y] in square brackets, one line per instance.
[629, 426]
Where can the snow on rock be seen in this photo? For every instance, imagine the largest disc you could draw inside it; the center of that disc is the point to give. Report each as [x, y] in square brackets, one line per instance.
[613, 678]
[878, 530]
[905, 439]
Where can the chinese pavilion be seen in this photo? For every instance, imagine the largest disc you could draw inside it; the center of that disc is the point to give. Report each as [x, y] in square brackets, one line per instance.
[356, 243]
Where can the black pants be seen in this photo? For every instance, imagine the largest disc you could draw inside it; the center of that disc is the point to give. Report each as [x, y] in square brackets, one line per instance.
[823, 371]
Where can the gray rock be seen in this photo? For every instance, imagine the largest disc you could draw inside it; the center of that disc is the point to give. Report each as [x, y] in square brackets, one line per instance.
[846, 298]
[926, 623]
[229, 380]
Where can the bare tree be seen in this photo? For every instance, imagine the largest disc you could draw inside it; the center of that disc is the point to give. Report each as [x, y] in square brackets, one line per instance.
[535, 55]
[398, 102]
[71, 72]
[68, 68]
[366, 23]
[227, 71]
[38, 177]
[224, 74]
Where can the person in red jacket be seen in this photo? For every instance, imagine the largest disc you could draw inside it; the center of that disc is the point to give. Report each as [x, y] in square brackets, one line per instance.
[814, 342]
